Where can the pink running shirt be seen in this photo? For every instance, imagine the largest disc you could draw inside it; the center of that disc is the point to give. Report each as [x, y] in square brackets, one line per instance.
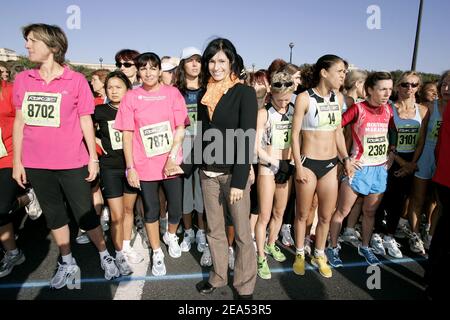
[55, 148]
[369, 132]
[140, 108]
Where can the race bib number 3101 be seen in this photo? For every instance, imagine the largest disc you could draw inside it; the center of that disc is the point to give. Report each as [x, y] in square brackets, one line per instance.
[3, 152]
[42, 109]
[157, 138]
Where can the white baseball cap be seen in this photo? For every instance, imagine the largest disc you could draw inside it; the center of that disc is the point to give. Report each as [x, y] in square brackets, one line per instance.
[189, 52]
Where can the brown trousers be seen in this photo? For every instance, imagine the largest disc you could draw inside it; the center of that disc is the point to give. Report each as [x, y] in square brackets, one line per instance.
[216, 199]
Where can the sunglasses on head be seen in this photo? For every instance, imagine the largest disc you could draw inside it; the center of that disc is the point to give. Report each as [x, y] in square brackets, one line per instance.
[125, 64]
[407, 84]
[282, 84]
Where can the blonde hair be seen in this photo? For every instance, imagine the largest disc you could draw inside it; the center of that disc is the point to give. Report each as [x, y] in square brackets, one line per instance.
[353, 76]
[52, 36]
[406, 74]
[282, 77]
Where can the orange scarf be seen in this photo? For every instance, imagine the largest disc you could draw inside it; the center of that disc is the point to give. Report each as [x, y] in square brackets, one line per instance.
[215, 90]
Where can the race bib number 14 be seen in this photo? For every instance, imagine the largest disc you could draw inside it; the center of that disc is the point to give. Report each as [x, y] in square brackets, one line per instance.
[42, 109]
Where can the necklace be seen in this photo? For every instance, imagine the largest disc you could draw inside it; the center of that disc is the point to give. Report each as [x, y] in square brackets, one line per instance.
[112, 107]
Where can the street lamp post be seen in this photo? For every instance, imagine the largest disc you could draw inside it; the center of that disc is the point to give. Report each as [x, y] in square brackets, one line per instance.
[253, 66]
[416, 44]
[291, 45]
[101, 62]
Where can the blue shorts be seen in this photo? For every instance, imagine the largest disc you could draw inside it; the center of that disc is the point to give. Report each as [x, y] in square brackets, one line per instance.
[369, 180]
[426, 166]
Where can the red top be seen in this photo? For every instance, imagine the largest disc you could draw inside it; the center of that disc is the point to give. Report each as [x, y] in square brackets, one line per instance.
[442, 174]
[7, 115]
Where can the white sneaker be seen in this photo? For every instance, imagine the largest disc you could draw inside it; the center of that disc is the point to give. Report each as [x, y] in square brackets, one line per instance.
[122, 265]
[189, 238]
[33, 208]
[64, 274]
[376, 243]
[308, 245]
[427, 241]
[206, 260]
[403, 230]
[351, 236]
[108, 264]
[104, 218]
[172, 241]
[231, 258]
[83, 238]
[133, 256]
[392, 247]
[200, 238]
[286, 235]
[158, 268]
[416, 244]
[163, 225]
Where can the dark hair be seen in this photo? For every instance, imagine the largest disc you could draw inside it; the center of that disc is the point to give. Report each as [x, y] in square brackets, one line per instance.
[421, 94]
[275, 66]
[120, 75]
[441, 81]
[180, 76]
[374, 77]
[311, 77]
[53, 37]
[216, 45]
[290, 68]
[259, 77]
[126, 55]
[146, 57]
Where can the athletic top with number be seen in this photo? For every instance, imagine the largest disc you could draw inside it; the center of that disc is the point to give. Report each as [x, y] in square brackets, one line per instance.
[7, 115]
[153, 117]
[434, 125]
[52, 136]
[407, 131]
[104, 116]
[191, 97]
[278, 127]
[369, 127]
[324, 113]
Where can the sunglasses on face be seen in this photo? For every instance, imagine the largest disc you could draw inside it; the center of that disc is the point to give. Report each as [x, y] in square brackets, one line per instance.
[407, 84]
[125, 64]
[282, 84]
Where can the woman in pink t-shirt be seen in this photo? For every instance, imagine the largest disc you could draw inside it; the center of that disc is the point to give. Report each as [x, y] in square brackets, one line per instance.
[52, 128]
[152, 118]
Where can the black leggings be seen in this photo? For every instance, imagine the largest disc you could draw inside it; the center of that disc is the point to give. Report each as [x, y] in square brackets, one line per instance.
[51, 186]
[8, 194]
[397, 192]
[173, 188]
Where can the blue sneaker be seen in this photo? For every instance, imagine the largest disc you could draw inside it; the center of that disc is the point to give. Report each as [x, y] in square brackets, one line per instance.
[333, 257]
[368, 254]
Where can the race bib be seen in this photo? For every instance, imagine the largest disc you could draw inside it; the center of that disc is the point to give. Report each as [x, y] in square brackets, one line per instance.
[407, 138]
[192, 113]
[434, 134]
[281, 134]
[375, 149]
[157, 138]
[42, 109]
[115, 136]
[3, 152]
[330, 116]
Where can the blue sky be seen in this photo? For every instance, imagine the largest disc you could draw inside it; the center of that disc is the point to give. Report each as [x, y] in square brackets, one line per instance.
[261, 30]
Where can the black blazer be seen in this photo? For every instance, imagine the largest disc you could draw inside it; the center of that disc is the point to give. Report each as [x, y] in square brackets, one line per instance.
[234, 153]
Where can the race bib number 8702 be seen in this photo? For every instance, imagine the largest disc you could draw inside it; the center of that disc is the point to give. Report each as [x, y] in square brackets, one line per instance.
[42, 109]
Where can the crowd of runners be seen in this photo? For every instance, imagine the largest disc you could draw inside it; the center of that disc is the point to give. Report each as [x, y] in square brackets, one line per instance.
[318, 156]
